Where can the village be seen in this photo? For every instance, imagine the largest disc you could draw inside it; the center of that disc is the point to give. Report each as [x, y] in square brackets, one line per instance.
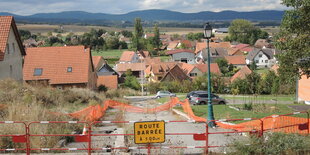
[240, 89]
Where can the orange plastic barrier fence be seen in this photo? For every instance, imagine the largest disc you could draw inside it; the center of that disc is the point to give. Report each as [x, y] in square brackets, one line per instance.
[285, 124]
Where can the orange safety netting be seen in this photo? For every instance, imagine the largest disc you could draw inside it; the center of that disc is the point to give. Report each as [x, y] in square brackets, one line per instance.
[285, 124]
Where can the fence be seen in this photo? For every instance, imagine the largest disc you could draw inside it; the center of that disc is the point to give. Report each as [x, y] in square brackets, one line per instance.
[252, 126]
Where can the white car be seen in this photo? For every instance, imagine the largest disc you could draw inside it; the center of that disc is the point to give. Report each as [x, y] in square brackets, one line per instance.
[161, 94]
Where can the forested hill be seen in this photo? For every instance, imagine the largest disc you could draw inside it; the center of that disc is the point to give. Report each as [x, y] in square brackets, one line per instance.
[147, 15]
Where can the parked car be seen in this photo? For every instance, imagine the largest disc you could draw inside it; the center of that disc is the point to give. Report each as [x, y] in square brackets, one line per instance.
[190, 94]
[161, 94]
[202, 98]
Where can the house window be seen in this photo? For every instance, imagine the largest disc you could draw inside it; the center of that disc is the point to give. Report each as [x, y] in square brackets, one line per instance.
[11, 70]
[256, 61]
[192, 74]
[8, 48]
[184, 60]
[266, 61]
[69, 69]
[13, 46]
[262, 61]
[260, 55]
[38, 71]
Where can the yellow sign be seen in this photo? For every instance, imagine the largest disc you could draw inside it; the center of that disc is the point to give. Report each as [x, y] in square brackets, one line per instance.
[149, 132]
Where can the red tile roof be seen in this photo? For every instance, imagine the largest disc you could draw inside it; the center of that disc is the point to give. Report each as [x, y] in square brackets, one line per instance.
[179, 51]
[241, 74]
[96, 60]
[127, 56]
[131, 66]
[6, 22]
[173, 44]
[175, 73]
[160, 68]
[110, 81]
[150, 60]
[202, 45]
[236, 60]
[55, 60]
[204, 68]
[187, 67]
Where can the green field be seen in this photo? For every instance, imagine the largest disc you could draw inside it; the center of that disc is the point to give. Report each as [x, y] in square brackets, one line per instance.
[109, 53]
[259, 111]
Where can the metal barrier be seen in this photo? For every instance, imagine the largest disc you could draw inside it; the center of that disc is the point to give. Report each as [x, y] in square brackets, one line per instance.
[78, 137]
[146, 147]
[17, 138]
[257, 130]
[276, 123]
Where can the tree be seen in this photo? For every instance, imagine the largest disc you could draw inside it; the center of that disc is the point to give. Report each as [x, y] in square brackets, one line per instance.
[293, 40]
[223, 65]
[137, 40]
[24, 34]
[131, 81]
[244, 31]
[156, 38]
[253, 66]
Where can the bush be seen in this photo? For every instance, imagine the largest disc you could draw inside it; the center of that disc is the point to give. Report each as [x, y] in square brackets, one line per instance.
[102, 88]
[273, 144]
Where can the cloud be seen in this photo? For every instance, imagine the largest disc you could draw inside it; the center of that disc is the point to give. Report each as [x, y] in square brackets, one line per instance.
[27, 7]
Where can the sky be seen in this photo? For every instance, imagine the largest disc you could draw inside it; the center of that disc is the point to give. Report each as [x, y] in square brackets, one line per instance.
[29, 7]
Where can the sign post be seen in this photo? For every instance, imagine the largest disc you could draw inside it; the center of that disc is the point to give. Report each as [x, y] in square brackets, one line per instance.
[149, 132]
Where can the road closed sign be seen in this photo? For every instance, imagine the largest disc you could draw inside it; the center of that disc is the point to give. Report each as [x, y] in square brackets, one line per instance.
[149, 132]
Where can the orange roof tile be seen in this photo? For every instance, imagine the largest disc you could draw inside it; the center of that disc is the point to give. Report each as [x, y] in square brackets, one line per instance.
[6, 22]
[127, 56]
[150, 60]
[204, 68]
[110, 81]
[173, 44]
[175, 73]
[202, 45]
[236, 60]
[55, 61]
[241, 74]
[160, 68]
[96, 60]
[131, 66]
[187, 67]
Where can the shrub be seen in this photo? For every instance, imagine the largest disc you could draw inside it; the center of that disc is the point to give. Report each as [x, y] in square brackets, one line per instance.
[102, 88]
[273, 144]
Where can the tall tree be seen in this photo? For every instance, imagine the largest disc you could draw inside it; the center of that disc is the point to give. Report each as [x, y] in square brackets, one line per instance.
[294, 41]
[156, 37]
[137, 36]
[244, 31]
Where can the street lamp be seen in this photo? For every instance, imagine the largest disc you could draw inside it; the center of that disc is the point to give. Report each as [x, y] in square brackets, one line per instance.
[207, 35]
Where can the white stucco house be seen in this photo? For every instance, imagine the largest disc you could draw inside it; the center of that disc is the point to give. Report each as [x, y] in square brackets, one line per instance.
[12, 51]
[264, 58]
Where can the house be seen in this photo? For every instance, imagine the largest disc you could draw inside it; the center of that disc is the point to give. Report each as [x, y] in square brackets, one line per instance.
[129, 57]
[218, 52]
[221, 30]
[105, 74]
[304, 89]
[155, 71]
[275, 68]
[182, 55]
[262, 43]
[214, 68]
[187, 44]
[60, 67]
[148, 61]
[143, 54]
[238, 60]
[190, 70]
[241, 74]
[125, 39]
[162, 37]
[173, 45]
[203, 45]
[12, 51]
[137, 69]
[240, 49]
[262, 57]
[175, 74]
[30, 43]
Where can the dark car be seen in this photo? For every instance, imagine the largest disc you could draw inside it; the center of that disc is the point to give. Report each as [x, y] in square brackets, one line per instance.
[202, 98]
[190, 94]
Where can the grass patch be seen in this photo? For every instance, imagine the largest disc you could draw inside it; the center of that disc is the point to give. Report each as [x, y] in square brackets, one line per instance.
[261, 97]
[166, 99]
[165, 58]
[109, 53]
[224, 112]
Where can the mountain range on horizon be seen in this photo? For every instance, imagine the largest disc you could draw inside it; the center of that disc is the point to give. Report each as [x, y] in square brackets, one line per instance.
[148, 15]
